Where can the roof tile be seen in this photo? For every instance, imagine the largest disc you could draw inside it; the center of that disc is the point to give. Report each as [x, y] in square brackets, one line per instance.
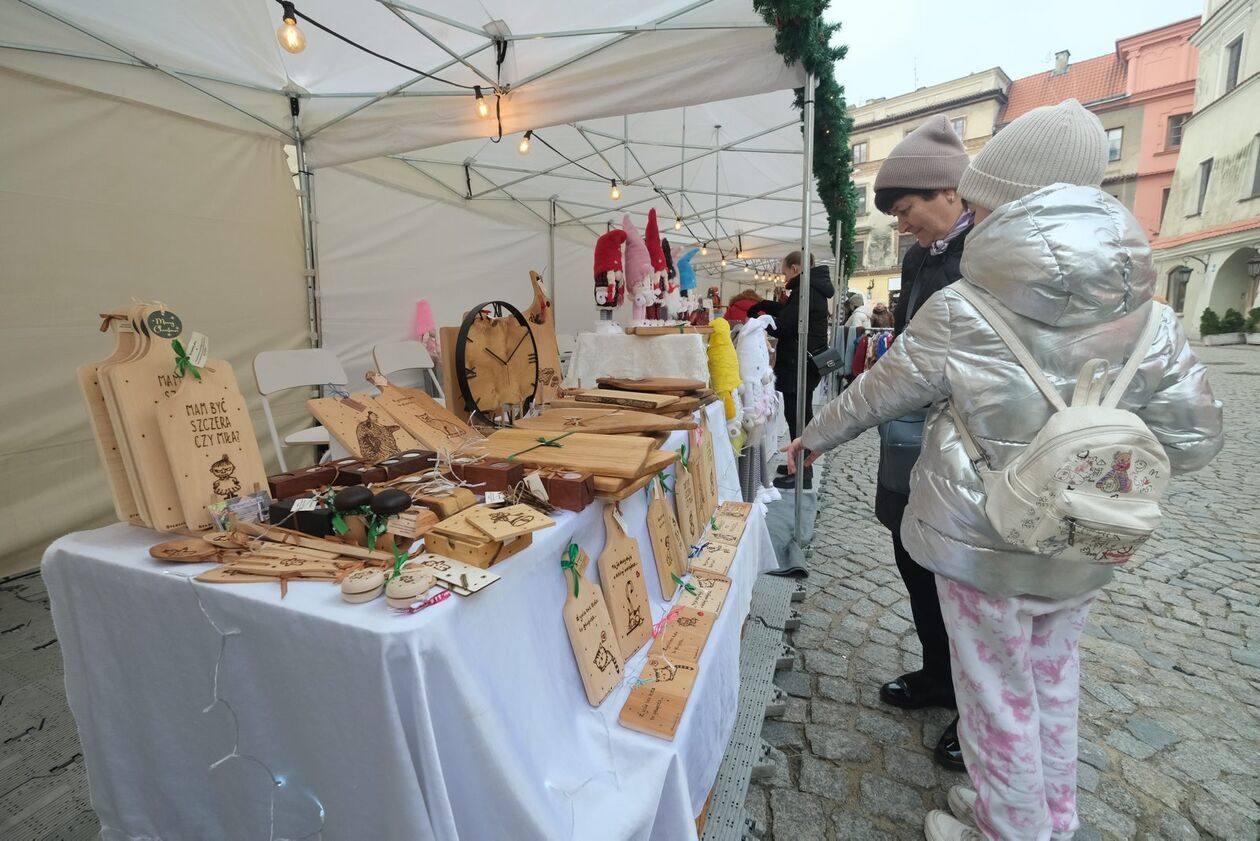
[1087, 81]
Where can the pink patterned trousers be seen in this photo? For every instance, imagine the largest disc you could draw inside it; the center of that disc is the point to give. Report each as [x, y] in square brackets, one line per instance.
[1016, 666]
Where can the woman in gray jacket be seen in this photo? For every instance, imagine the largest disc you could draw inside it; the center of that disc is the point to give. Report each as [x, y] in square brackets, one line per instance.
[1069, 269]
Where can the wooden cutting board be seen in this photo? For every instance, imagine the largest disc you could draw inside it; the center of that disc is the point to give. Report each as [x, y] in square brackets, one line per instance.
[710, 592]
[657, 704]
[657, 461]
[667, 547]
[714, 557]
[361, 425]
[731, 508]
[623, 456]
[689, 524]
[119, 324]
[704, 471]
[542, 321]
[591, 632]
[624, 585]
[628, 399]
[506, 523]
[657, 385]
[725, 529]
[140, 348]
[210, 444]
[607, 421]
[685, 634]
[425, 419]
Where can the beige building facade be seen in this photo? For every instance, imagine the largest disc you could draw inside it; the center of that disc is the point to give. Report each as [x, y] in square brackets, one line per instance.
[1208, 251]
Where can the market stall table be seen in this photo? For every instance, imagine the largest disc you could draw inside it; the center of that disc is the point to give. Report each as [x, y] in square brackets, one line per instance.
[465, 720]
[634, 357]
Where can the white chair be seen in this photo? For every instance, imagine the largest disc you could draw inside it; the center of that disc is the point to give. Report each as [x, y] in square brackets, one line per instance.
[566, 343]
[391, 357]
[280, 370]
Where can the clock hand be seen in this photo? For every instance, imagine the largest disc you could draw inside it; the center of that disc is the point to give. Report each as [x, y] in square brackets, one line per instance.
[518, 346]
[496, 356]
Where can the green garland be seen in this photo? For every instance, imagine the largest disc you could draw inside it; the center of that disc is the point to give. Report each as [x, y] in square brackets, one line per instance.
[802, 36]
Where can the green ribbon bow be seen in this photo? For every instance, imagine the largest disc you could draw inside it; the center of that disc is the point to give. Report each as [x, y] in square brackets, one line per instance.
[183, 365]
[713, 523]
[338, 521]
[686, 464]
[543, 441]
[664, 485]
[569, 562]
[400, 557]
[376, 526]
[690, 588]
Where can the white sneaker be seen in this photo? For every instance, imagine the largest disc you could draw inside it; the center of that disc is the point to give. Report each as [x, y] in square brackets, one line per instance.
[962, 802]
[942, 826]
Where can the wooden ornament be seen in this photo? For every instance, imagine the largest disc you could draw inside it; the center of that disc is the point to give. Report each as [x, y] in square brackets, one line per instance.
[227, 574]
[667, 547]
[408, 587]
[508, 522]
[362, 426]
[625, 589]
[542, 321]
[656, 385]
[656, 706]
[604, 455]
[629, 399]
[125, 506]
[590, 630]
[363, 585]
[289, 537]
[460, 578]
[424, 418]
[689, 524]
[710, 591]
[188, 550]
[210, 444]
[713, 557]
[684, 636]
[609, 421]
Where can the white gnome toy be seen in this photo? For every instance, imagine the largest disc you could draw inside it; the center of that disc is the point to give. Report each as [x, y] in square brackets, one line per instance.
[756, 398]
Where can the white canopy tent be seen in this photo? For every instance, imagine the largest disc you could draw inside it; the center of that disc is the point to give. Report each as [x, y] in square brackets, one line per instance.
[414, 200]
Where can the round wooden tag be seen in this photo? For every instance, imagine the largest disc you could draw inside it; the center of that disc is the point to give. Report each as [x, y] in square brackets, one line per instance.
[186, 550]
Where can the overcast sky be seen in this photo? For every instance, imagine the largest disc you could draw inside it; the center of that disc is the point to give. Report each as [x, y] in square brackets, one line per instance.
[891, 42]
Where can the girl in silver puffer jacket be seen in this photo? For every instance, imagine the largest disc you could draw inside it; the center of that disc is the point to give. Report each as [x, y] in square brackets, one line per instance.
[1068, 267]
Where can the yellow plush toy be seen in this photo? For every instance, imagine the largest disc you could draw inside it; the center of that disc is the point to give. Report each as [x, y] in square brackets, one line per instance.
[724, 365]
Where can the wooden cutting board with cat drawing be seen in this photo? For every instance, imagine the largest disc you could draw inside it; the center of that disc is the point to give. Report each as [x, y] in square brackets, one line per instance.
[590, 629]
[541, 316]
[362, 426]
[657, 704]
[689, 523]
[667, 547]
[140, 346]
[119, 324]
[624, 585]
[425, 419]
[209, 441]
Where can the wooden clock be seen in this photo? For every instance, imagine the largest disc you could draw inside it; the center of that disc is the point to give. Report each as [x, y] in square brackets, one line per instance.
[496, 361]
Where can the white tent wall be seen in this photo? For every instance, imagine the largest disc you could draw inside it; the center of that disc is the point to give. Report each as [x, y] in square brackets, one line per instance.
[100, 201]
[383, 247]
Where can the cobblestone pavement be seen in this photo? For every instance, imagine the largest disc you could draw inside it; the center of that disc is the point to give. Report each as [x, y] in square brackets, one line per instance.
[1170, 706]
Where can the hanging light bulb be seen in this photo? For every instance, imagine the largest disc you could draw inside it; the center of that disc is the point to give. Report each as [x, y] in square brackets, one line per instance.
[677, 223]
[745, 270]
[524, 147]
[291, 38]
[483, 107]
[704, 250]
[723, 262]
[615, 192]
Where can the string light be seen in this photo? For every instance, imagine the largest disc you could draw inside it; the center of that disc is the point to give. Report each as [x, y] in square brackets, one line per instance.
[615, 192]
[704, 250]
[524, 147]
[745, 270]
[677, 223]
[723, 262]
[483, 107]
[290, 37]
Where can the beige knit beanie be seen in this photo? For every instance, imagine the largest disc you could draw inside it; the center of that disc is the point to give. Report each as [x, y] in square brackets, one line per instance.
[1054, 144]
[929, 158]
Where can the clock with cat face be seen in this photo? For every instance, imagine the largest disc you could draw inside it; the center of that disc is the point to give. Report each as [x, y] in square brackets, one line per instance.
[496, 361]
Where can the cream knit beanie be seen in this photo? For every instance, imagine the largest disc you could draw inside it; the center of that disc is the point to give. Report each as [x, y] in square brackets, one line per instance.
[1054, 144]
[929, 158]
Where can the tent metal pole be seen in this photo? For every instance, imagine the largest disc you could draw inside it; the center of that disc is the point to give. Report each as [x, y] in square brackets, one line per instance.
[802, 295]
[551, 256]
[306, 199]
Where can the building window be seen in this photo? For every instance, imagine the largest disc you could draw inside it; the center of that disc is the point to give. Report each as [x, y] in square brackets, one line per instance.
[960, 127]
[1178, 283]
[1115, 140]
[1205, 175]
[860, 153]
[1163, 205]
[1255, 167]
[861, 200]
[904, 243]
[1176, 126]
[859, 252]
[1233, 60]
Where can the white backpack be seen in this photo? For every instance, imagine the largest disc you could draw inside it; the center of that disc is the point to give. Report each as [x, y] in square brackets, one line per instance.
[1087, 487]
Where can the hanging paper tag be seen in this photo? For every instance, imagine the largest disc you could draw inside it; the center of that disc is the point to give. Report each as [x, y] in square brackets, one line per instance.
[307, 504]
[198, 349]
[164, 324]
[621, 523]
[495, 497]
[535, 484]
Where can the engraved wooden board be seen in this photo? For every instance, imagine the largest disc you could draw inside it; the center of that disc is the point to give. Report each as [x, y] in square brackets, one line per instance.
[684, 636]
[656, 385]
[689, 523]
[609, 420]
[210, 443]
[624, 585]
[657, 708]
[711, 591]
[139, 348]
[457, 526]
[186, 550]
[731, 508]
[125, 506]
[460, 578]
[509, 521]
[591, 634]
[714, 557]
[623, 456]
[426, 420]
[227, 574]
[704, 471]
[542, 321]
[362, 426]
[630, 399]
[724, 529]
[667, 547]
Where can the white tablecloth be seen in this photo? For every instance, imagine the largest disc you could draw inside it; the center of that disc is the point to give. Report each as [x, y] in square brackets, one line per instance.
[623, 355]
[466, 720]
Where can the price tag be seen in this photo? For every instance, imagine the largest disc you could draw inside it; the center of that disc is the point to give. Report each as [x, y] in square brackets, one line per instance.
[535, 484]
[495, 497]
[620, 521]
[307, 504]
[198, 349]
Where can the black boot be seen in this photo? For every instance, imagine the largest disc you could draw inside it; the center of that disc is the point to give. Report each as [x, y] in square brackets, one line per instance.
[916, 690]
[948, 751]
[788, 482]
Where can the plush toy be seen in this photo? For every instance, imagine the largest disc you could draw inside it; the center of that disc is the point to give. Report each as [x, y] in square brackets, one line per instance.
[638, 271]
[724, 370]
[660, 267]
[673, 298]
[425, 330]
[687, 280]
[758, 399]
[610, 279]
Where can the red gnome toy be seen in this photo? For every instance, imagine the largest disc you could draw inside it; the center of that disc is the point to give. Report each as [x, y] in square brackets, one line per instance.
[610, 277]
[660, 269]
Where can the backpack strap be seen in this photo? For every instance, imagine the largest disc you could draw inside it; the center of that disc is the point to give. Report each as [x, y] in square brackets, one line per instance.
[969, 443]
[1140, 350]
[1012, 341]
[1091, 383]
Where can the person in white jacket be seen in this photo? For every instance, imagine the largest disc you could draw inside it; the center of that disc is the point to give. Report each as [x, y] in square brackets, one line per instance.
[1070, 270]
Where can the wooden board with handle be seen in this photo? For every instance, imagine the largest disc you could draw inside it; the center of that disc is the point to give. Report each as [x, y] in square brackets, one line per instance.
[623, 456]
[541, 316]
[590, 629]
[655, 385]
[425, 419]
[628, 399]
[119, 324]
[210, 444]
[667, 547]
[704, 471]
[607, 421]
[624, 585]
[361, 425]
[689, 523]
